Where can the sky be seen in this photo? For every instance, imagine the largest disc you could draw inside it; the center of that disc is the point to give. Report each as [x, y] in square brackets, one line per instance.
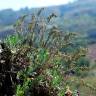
[17, 4]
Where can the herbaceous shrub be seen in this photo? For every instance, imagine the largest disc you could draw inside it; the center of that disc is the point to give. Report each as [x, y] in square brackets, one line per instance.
[43, 56]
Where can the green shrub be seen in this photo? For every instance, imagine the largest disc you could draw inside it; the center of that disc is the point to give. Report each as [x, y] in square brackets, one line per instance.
[44, 59]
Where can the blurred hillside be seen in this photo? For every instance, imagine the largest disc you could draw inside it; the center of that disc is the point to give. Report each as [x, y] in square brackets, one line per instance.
[79, 16]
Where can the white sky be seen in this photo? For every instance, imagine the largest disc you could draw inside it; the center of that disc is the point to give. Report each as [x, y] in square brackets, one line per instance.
[17, 4]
